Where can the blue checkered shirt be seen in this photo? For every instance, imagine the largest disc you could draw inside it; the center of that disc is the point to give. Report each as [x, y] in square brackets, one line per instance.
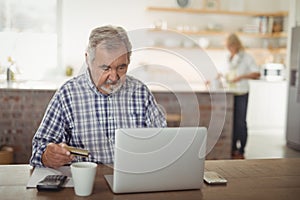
[79, 115]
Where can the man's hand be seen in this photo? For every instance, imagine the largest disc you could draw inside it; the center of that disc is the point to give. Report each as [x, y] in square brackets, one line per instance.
[56, 155]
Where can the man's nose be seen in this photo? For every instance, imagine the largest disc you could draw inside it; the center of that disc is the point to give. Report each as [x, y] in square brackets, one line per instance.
[113, 76]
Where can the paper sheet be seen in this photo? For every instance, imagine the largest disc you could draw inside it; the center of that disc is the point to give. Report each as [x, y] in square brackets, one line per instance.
[40, 173]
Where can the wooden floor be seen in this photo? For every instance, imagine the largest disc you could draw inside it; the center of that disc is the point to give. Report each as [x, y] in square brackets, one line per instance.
[268, 145]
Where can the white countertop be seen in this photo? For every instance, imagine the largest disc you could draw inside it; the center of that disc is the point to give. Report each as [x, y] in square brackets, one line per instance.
[191, 87]
[34, 85]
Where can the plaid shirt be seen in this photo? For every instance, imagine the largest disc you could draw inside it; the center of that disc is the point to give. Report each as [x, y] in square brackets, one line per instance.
[80, 116]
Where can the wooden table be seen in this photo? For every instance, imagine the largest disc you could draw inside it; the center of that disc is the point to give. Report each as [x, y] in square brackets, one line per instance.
[247, 179]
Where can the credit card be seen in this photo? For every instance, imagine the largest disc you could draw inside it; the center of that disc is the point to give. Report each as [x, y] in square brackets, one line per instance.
[77, 152]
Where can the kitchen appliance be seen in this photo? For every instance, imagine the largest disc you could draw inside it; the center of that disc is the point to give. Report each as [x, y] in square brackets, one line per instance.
[293, 110]
[273, 72]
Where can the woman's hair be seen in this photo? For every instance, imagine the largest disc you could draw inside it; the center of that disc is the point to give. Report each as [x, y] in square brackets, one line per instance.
[233, 40]
[109, 38]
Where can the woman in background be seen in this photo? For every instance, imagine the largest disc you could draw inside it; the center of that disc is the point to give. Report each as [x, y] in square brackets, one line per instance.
[241, 68]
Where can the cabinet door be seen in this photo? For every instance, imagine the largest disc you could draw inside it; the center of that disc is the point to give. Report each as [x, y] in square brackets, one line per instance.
[267, 106]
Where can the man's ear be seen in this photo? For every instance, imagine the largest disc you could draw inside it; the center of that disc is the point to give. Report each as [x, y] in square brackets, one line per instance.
[87, 59]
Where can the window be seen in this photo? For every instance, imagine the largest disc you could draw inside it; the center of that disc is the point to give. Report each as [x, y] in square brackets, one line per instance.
[28, 35]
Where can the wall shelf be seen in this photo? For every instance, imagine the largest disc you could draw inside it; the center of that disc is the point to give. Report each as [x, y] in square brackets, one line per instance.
[224, 33]
[264, 35]
[278, 50]
[264, 32]
[223, 12]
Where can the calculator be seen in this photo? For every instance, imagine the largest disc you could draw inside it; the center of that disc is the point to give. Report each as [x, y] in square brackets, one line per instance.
[52, 183]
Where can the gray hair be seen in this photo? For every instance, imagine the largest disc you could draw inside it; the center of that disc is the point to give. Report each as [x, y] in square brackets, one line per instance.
[110, 38]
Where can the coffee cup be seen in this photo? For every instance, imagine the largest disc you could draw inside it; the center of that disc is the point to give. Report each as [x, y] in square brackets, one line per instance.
[83, 175]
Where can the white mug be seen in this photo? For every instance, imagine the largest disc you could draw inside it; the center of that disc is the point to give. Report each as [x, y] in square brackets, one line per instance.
[83, 174]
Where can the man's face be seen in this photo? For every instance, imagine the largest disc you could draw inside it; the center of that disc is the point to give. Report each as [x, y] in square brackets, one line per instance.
[108, 69]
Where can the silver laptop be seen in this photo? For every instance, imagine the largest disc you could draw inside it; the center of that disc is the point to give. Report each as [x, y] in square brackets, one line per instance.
[158, 159]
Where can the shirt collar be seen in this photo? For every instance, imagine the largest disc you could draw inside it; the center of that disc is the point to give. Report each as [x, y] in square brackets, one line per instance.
[91, 83]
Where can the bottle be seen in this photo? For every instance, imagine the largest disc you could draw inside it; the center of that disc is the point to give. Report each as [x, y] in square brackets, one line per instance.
[9, 72]
[2, 72]
[69, 70]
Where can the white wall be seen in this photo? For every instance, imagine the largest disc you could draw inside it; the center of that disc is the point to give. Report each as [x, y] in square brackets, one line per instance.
[80, 16]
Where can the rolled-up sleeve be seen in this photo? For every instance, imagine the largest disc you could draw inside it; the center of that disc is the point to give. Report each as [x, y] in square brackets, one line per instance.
[154, 115]
[51, 129]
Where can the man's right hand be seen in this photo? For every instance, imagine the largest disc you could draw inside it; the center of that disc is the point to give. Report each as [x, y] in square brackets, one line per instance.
[56, 155]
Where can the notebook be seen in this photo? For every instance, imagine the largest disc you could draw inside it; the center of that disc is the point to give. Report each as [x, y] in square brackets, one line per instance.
[158, 159]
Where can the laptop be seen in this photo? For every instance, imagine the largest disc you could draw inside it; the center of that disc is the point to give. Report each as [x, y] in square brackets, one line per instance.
[158, 159]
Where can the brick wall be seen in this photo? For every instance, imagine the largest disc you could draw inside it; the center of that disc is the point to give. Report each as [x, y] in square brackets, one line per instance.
[21, 112]
[182, 104]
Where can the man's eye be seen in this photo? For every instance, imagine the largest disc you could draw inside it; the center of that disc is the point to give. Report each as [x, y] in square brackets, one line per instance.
[122, 67]
[105, 68]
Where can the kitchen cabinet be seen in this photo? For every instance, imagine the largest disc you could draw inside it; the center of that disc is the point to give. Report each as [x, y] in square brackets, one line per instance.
[267, 106]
